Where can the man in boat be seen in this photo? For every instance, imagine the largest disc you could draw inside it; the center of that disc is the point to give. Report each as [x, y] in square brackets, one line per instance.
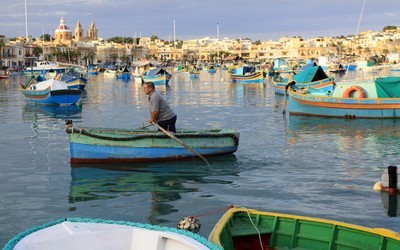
[160, 111]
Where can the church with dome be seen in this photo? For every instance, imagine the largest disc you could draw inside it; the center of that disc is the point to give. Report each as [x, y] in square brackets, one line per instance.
[63, 34]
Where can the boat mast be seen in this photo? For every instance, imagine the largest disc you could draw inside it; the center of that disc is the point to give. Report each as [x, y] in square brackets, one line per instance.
[26, 22]
[218, 43]
[359, 20]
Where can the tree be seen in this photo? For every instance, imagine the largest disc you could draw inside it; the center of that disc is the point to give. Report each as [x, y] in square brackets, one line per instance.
[389, 28]
[77, 55]
[153, 38]
[90, 56]
[37, 51]
[46, 37]
[57, 54]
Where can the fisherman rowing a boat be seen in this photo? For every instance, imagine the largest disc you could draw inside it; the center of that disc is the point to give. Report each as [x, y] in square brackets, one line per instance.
[160, 111]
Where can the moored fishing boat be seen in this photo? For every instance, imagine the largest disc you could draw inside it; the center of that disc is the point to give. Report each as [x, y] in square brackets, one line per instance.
[42, 67]
[74, 79]
[247, 74]
[123, 73]
[50, 92]
[158, 76]
[91, 145]
[242, 228]
[379, 98]
[310, 77]
[86, 233]
[6, 75]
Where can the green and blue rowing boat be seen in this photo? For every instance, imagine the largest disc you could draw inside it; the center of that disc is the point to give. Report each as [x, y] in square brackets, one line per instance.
[241, 228]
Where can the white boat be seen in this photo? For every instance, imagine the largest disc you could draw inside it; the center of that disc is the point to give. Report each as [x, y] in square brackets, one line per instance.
[42, 67]
[110, 72]
[98, 234]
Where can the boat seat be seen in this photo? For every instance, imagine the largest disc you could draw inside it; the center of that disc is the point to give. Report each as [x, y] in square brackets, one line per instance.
[238, 231]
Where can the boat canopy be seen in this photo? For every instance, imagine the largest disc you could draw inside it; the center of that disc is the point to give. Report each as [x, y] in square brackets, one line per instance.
[52, 83]
[244, 70]
[388, 87]
[311, 74]
[158, 71]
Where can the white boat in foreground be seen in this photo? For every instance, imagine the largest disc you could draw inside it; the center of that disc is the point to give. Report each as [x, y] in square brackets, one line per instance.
[97, 234]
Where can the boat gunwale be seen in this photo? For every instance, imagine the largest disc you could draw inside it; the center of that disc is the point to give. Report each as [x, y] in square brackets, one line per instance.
[143, 134]
[217, 231]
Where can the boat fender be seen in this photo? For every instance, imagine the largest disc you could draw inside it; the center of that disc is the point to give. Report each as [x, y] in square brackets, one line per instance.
[347, 93]
[189, 223]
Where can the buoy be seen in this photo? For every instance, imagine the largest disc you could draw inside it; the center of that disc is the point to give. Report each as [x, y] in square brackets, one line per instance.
[377, 186]
[189, 223]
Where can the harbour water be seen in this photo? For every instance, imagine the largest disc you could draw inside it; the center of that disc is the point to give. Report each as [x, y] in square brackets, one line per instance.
[300, 165]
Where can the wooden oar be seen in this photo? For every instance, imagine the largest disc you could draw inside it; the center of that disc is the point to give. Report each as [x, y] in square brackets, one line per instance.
[180, 141]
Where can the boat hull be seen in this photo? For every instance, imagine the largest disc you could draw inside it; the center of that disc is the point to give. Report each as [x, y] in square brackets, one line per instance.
[123, 76]
[52, 97]
[322, 85]
[284, 231]
[157, 79]
[326, 106]
[109, 146]
[77, 83]
[252, 78]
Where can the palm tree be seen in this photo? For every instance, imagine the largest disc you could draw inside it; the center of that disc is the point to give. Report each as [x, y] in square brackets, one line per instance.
[77, 55]
[57, 54]
[37, 51]
[89, 57]
[114, 57]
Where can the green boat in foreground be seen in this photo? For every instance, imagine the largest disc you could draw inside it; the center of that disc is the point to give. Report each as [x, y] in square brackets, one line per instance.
[241, 228]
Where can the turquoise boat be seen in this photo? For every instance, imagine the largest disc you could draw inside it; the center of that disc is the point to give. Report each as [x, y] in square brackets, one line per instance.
[242, 228]
[379, 98]
[310, 77]
[50, 92]
[99, 234]
[247, 74]
[103, 145]
[157, 76]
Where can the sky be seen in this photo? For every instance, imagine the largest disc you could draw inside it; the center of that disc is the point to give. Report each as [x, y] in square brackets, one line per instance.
[255, 19]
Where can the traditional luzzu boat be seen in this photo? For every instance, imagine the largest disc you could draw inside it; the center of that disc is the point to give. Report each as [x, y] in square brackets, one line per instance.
[247, 74]
[98, 234]
[310, 76]
[379, 98]
[241, 228]
[50, 92]
[123, 73]
[158, 76]
[74, 80]
[102, 145]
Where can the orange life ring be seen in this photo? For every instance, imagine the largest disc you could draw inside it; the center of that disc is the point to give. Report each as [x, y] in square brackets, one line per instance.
[351, 89]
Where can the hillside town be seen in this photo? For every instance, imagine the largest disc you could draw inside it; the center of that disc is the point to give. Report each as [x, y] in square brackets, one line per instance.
[75, 46]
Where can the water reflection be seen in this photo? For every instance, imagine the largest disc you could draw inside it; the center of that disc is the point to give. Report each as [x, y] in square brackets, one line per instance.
[391, 203]
[35, 112]
[164, 181]
[380, 128]
[247, 94]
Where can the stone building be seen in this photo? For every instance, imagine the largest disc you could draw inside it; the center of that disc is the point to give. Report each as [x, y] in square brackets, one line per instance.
[63, 33]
